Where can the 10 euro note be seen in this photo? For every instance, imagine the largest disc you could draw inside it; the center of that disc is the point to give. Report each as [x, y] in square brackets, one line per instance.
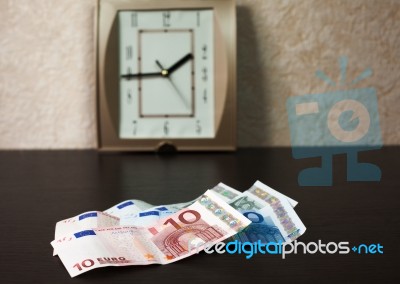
[98, 219]
[148, 217]
[208, 220]
[154, 214]
[87, 220]
[130, 213]
[128, 208]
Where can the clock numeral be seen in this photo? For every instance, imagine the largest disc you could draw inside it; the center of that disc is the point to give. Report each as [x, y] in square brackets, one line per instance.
[198, 18]
[129, 52]
[129, 97]
[198, 127]
[205, 75]
[134, 131]
[134, 19]
[129, 70]
[166, 19]
[205, 96]
[204, 49]
[166, 128]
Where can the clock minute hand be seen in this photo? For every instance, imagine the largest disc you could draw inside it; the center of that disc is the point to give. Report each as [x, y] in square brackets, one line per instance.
[140, 75]
[179, 63]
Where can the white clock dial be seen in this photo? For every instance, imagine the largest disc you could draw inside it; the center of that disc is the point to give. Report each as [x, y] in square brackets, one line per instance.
[174, 95]
[167, 80]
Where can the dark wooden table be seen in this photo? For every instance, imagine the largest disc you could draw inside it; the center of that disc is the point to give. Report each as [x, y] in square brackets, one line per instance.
[40, 188]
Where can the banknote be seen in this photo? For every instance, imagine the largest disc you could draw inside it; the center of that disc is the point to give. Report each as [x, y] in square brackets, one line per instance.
[128, 212]
[264, 227]
[139, 213]
[92, 219]
[147, 217]
[226, 192]
[128, 207]
[152, 215]
[98, 219]
[260, 196]
[208, 220]
[277, 194]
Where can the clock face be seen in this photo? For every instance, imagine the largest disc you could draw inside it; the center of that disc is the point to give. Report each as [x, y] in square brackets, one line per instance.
[166, 65]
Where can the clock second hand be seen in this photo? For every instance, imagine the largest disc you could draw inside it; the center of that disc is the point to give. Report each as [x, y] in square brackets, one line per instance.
[164, 73]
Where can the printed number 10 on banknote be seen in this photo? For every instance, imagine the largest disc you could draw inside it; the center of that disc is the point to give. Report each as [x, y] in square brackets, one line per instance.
[174, 241]
[190, 228]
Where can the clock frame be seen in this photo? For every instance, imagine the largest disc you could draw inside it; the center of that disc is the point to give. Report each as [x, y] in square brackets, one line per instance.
[108, 76]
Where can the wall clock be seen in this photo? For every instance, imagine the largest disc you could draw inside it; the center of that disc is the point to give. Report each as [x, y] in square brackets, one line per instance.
[166, 75]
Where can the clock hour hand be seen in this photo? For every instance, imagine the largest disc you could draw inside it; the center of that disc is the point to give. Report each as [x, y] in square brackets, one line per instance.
[179, 63]
[141, 75]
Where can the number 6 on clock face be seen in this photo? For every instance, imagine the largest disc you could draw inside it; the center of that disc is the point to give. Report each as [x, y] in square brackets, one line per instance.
[166, 66]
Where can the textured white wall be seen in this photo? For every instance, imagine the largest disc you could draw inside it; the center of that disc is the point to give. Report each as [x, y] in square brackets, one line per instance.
[47, 74]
